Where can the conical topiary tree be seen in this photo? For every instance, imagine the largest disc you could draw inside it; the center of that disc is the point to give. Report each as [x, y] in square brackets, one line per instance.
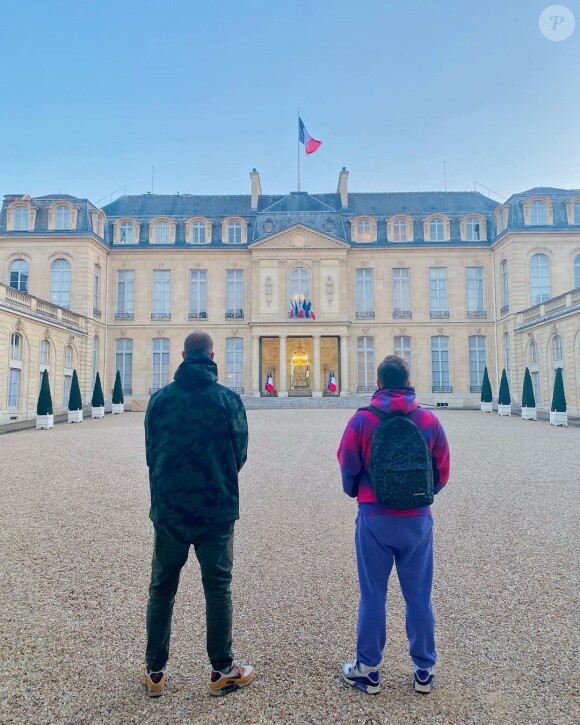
[98, 399]
[528, 397]
[75, 401]
[118, 398]
[504, 390]
[44, 405]
[486, 394]
[558, 397]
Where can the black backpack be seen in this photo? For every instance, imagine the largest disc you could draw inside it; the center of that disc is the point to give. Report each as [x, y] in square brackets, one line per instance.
[401, 468]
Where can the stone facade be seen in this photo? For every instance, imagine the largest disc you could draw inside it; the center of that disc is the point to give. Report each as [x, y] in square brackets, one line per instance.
[450, 280]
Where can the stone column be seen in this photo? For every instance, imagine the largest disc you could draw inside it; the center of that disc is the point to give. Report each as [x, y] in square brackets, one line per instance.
[255, 392]
[316, 392]
[283, 382]
[344, 365]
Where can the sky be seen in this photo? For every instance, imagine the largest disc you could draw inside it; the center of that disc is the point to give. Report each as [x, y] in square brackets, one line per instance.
[95, 93]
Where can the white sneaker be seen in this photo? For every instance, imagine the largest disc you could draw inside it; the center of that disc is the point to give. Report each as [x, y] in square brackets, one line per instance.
[364, 678]
[424, 679]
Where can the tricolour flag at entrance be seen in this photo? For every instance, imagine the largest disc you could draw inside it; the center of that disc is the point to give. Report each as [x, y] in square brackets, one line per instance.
[269, 383]
[310, 144]
[331, 382]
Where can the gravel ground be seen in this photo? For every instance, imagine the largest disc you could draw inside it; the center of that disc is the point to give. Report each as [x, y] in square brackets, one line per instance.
[76, 545]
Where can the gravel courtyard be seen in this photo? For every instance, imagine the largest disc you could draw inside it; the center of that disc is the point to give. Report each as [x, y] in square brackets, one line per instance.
[76, 549]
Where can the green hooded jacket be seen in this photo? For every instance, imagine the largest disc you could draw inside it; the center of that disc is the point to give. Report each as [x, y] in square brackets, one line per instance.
[196, 441]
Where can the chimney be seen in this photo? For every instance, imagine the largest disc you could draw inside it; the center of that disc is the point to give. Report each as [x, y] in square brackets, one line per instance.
[343, 187]
[256, 188]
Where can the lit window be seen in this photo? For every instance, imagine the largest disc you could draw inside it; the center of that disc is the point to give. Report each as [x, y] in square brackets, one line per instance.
[198, 232]
[62, 216]
[126, 233]
[472, 230]
[436, 230]
[162, 233]
[19, 275]
[363, 230]
[21, 216]
[234, 233]
[400, 233]
[540, 284]
[538, 213]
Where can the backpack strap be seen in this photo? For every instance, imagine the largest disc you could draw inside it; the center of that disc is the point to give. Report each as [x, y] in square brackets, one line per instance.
[381, 415]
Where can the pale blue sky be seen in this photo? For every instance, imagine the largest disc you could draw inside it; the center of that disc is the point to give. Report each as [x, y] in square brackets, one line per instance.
[95, 92]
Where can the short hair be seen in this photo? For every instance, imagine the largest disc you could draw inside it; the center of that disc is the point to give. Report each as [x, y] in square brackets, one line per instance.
[198, 342]
[393, 372]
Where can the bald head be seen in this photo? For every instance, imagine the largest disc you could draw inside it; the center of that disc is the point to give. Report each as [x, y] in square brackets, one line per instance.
[198, 342]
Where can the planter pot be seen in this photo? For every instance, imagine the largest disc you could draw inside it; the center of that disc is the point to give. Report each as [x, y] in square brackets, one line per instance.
[44, 422]
[98, 412]
[504, 409]
[557, 418]
[486, 407]
[529, 414]
[117, 408]
[75, 416]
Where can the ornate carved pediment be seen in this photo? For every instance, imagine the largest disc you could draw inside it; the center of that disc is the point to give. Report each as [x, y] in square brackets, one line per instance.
[299, 237]
[47, 334]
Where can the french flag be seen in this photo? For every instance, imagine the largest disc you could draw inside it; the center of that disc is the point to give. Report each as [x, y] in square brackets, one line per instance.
[269, 383]
[310, 144]
[332, 382]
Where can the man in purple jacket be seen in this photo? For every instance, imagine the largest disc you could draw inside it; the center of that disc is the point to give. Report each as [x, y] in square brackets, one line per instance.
[386, 536]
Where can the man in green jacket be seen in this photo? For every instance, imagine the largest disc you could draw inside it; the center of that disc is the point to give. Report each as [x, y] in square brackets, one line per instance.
[196, 441]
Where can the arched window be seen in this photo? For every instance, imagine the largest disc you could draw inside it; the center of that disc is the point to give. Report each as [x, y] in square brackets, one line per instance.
[234, 233]
[62, 217]
[198, 232]
[540, 285]
[363, 230]
[538, 213]
[235, 363]
[366, 373]
[44, 352]
[558, 351]
[535, 371]
[14, 370]
[19, 275]
[472, 229]
[299, 283]
[440, 364]
[60, 283]
[126, 233]
[162, 233]
[400, 230]
[403, 348]
[21, 217]
[577, 271]
[15, 346]
[477, 355]
[576, 212]
[436, 230]
[160, 363]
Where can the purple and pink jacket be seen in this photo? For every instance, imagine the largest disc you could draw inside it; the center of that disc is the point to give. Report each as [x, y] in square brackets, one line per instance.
[354, 453]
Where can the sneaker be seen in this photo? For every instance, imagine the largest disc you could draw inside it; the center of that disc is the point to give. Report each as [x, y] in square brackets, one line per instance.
[424, 679]
[222, 682]
[364, 678]
[155, 682]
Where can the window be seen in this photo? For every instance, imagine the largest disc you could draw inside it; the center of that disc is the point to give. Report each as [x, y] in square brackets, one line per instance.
[505, 290]
[162, 233]
[299, 283]
[44, 352]
[541, 288]
[95, 359]
[62, 216]
[66, 390]
[234, 233]
[198, 293]
[558, 350]
[60, 282]
[577, 271]
[363, 230]
[535, 371]
[13, 387]
[234, 293]
[472, 230]
[400, 230]
[126, 233]
[576, 212]
[364, 293]
[162, 294]
[436, 230]
[68, 357]
[21, 216]
[502, 220]
[15, 346]
[440, 364]
[19, 275]
[124, 363]
[160, 363]
[475, 306]
[438, 292]
[401, 292]
[477, 356]
[507, 356]
[235, 363]
[538, 213]
[125, 294]
[198, 232]
[97, 289]
[365, 347]
[403, 348]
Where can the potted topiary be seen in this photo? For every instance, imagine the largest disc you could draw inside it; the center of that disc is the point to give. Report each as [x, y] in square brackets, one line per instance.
[486, 394]
[558, 410]
[44, 416]
[504, 401]
[75, 403]
[118, 405]
[528, 399]
[98, 401]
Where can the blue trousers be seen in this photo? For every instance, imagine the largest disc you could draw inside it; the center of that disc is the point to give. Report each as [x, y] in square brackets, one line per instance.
[406, 541]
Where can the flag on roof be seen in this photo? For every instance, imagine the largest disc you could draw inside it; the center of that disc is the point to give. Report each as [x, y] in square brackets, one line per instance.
[331, 382]
[310, 144]
[269, 383]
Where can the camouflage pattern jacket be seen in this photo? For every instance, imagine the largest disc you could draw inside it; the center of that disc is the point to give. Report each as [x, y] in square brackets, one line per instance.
[196, 441]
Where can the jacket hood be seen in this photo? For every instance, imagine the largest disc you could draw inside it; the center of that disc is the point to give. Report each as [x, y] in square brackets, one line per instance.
[197, 370]
[390, 400]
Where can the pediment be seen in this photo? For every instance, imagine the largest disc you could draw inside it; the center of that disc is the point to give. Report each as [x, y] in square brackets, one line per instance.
[299, 237]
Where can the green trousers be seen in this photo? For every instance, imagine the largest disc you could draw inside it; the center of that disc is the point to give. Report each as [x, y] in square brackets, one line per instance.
[213, 545]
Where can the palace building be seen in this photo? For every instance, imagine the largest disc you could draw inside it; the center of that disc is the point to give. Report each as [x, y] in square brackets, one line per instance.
[299, 286]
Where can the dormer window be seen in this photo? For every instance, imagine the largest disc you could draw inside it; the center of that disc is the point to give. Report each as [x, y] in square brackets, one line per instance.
[400, 230]
[473, 230]
[576, 212]
[538, 213]
[436, 230]
[234, 233]
[198, 233]
[126, 233]
[363, 230]
[162, 233]
[62, 217]
[21, 219]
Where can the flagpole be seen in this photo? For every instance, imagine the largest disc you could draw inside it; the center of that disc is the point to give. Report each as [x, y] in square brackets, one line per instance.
[298, 152]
